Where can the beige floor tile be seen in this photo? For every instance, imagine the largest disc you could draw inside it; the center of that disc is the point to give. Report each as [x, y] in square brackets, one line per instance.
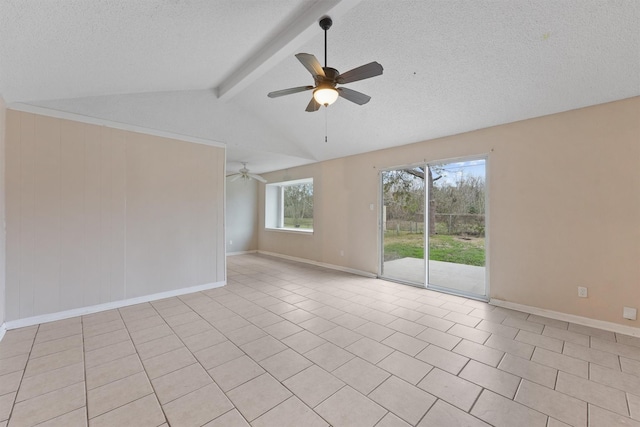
[44, 335]
[479, 352]
[379, 317]
[348, 408]
[374, 331]
[601, 395]
[144, 412]
[558, 405]
[235, 372]
[317, 325]
[257, 396]
[586, 330]
[405, 343]
[108, 354]
[113, 371]
[313, 385]
[497, 329]
[444, 414]
[105, 340]
[15, 336]
[158, 346]
[203, 340]
[13, 364]
[540, 341]
[565, 335]
[441, 339]
[510, 346]
[523, 324]
[403, 399]
[406, 326]
[168, 362]
[77, 418]
[561, 362]
[48, 406]
[9, 349]
[192, 328]
[349, 320]
[198, 407]
[452, 389]
[55, 346]
[265, 319]
[230, 419]
[531, 371]
[559, 324]
[329, 356]
[628, 366]
[218, 354]
[599, 417]
[144, 323]
[118, 393]
[634, 406]
[53, 361]
[149, 334]
[555, 423]
[6, 403]
[179, 315]
[303, 341]
[10, 382]
[245, 335]
[102, 328]
[443, 359]
[50, 381]
[370, 350]
[341, 336]
[405, 367]
[178, 383]
[361, 375]
[229, 324]
[390, 420]
[616, 379]
[628, 340]
[262, 348]
[297, 316]
[290, 413]
[502, 412]
[463, 319]
[285, 364]
[434, 322]
[468, 333]
[491, 378]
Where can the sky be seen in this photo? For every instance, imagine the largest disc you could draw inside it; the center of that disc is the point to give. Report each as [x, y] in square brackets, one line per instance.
[453, 171]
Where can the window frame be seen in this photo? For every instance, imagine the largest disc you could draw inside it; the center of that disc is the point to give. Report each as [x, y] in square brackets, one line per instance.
[274, 206]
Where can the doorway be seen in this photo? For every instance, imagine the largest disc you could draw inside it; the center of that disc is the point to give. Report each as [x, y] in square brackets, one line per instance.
[433, 229]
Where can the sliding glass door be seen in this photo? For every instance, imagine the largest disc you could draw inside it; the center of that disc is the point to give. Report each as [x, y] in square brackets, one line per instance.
[433, 226]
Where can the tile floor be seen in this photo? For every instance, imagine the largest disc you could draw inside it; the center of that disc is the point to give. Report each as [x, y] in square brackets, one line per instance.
[286, 344]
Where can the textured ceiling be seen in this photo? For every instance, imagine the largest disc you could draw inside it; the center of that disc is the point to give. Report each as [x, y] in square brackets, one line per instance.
[449, 67]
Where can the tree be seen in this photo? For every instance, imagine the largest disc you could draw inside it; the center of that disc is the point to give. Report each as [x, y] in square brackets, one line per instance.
[298, 202]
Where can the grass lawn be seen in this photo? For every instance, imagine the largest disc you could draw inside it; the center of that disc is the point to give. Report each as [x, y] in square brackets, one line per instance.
[304, 223]
[469, 251]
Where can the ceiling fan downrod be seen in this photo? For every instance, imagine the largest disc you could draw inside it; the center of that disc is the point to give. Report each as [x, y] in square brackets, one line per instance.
[325, 24]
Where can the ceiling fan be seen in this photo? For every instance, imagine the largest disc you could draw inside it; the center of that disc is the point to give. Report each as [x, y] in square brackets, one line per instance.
[326, 78]
[244, 174]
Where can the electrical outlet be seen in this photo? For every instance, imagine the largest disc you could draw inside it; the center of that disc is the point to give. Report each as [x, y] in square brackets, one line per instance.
[582, 292]
[629, 313]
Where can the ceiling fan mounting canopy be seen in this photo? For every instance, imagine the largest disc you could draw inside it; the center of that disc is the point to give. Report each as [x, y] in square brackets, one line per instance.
[326, 79]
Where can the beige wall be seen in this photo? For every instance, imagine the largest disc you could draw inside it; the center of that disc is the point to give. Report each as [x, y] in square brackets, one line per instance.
[97, 215]
[564, 208]
[2, 211]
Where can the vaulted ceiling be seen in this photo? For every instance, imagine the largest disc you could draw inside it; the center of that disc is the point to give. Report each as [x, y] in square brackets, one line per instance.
[202, 68]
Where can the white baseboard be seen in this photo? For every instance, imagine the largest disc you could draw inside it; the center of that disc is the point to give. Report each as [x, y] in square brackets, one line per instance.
[320, 264]
[3, 329]
[241, 253]
[579, 320]
[35, 320]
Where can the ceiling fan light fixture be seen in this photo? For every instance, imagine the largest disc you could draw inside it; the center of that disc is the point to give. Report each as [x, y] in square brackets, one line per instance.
[325, 95]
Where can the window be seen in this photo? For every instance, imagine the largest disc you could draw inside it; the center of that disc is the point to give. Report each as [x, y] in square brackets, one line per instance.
[289, 205]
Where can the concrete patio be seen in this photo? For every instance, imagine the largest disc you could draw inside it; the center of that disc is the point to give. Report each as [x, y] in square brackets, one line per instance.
[468, 279]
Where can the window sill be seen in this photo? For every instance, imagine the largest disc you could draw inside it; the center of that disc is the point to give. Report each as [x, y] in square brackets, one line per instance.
[290, 230]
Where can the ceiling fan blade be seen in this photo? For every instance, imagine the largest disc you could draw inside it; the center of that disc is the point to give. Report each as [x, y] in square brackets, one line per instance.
[353, 95]
[257, 177]
[289, 91]
[366, 71]
[234, 177]
[313, 105]
[311, 63]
